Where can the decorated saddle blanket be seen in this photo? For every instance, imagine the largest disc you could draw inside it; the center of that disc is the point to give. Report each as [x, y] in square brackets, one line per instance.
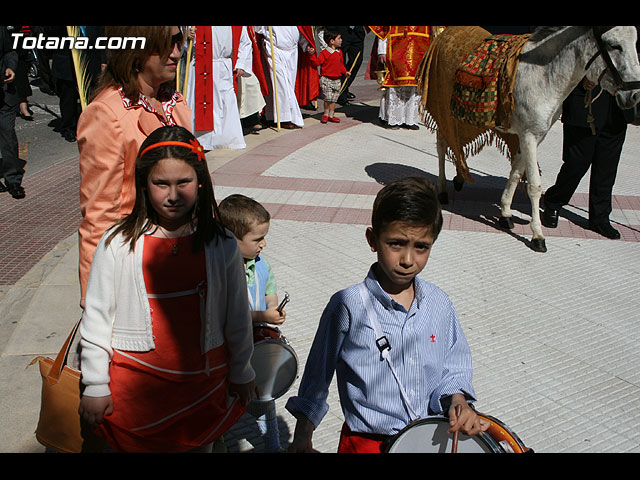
[483, 83]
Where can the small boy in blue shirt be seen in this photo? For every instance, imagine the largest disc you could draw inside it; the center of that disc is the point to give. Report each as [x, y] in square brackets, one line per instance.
[417, 320]
[249, 222]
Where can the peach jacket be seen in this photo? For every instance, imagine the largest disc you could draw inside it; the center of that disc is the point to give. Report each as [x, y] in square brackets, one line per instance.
[110, 132]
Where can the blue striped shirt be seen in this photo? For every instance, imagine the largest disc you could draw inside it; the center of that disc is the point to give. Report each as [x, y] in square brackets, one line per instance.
[428, 349]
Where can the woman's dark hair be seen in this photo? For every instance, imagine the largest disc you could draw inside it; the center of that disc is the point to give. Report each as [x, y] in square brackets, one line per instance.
[143, 217]
[412, 200]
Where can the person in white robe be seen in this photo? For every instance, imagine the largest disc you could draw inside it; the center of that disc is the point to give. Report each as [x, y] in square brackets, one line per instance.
[227, 129]
[399, 106]
[285, 44]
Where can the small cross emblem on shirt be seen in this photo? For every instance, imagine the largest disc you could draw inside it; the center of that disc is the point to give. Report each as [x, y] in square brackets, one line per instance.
[433, 338]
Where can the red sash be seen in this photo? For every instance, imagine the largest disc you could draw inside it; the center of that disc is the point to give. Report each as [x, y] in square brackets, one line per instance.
[204, 70]
[236, 32]
[203, 107]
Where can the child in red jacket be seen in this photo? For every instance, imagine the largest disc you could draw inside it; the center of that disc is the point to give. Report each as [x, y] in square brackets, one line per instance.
[332, 69]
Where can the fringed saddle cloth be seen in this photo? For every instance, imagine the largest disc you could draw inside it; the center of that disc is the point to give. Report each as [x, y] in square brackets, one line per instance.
[483, 84]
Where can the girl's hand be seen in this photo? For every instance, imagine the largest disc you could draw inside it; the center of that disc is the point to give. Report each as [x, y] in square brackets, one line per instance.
[243, 391]
[94, 409]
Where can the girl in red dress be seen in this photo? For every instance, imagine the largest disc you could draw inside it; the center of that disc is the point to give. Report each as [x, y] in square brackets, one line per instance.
[166, 333]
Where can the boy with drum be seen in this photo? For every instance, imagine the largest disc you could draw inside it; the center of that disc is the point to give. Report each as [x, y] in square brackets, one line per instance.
[394, 340]
[249, 222]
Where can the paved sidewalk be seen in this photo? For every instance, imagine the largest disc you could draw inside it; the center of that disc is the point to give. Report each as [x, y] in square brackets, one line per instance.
[554, 336]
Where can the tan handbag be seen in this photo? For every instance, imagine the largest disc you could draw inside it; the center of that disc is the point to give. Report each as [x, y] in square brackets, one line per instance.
[59, 427]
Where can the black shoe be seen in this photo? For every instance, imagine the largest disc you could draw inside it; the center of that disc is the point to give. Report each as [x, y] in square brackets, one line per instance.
[549, 216]
[69, 136]
[2, 188]
[16, 191]
[605, 229]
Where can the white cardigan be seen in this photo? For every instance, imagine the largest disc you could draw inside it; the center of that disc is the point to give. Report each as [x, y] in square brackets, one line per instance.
[117, 313]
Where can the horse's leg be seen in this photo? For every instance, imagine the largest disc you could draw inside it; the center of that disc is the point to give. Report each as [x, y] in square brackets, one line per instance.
[458, 181]
[441, 148]
[517, 169]
[529, 149]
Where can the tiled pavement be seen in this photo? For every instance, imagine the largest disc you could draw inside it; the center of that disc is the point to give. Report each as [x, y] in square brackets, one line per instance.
[554, 335]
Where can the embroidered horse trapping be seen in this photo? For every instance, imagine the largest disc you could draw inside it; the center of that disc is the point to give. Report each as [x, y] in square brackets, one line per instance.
[483, 83]
[435, 76]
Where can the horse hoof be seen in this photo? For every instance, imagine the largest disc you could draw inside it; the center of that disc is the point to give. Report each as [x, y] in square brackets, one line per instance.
[443, 198]
[458, 183]
[538, 245]
[506, 222]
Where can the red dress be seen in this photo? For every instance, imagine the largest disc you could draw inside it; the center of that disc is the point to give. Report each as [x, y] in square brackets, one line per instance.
[164, 400]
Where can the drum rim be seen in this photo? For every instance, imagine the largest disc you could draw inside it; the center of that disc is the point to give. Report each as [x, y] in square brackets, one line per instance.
[433, 419]
[289, 348]
[502, 425]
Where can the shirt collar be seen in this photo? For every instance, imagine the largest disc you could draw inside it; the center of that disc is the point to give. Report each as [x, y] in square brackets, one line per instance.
[372, 284]
[250, 269]
[170, 96]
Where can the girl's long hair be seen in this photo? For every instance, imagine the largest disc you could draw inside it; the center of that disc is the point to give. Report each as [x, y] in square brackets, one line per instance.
[143, 218]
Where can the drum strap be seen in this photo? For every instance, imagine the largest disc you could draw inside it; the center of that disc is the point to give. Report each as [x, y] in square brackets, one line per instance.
[384, 346]
[254, 304]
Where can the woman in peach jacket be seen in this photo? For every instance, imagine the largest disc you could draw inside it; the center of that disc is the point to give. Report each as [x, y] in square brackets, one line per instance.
[133, 98]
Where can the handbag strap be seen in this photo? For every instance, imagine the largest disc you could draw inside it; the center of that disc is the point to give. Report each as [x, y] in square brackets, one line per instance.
[384, 346]
[61, 359]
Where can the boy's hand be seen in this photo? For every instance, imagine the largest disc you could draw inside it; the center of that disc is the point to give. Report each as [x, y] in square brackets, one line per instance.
[94, 409]
[302, 435]
[275, 317]
[468, 421]
[271, 315]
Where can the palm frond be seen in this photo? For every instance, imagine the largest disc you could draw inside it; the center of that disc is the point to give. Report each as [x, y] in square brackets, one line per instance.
[81, 67]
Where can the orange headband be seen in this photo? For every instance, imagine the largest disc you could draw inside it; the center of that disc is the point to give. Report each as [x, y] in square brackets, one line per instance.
[193, 145]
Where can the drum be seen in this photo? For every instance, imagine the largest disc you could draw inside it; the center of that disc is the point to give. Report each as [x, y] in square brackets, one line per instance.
[274, 361]
[430, 435]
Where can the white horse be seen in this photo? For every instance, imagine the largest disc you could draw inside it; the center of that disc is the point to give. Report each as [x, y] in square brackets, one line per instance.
[552, 63]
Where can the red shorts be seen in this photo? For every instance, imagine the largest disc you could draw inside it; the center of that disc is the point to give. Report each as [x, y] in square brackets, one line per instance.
[354, 442]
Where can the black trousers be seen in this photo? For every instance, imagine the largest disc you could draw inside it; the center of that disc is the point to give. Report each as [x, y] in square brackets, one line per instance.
[10, 165]
[69, 109]
[350, 50]
[582, 150]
